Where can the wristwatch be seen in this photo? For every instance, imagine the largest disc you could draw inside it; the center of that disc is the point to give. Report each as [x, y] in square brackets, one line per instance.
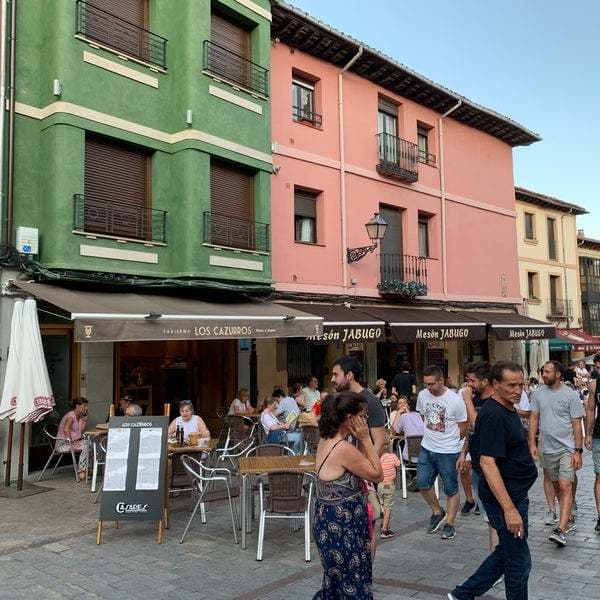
[580, 450]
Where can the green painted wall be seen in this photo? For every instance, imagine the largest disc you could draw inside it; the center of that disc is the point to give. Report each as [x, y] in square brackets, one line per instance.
[50, 150]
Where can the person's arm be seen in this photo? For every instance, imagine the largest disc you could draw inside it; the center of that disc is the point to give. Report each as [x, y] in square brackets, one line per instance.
[534, 418]
[461, 463]
[67, 428]
[172, 428]
[378, 434]
[467, 396]
[577, 457]
[202, 428]
[83, 423]
[590, 414]
[364, 463]
[463, 428]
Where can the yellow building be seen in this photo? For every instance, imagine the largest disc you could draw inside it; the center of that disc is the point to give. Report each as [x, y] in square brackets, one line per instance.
[549, 262]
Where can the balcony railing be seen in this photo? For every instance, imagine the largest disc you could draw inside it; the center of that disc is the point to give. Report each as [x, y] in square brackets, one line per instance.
[98, 25]
[426, 158]
[223, 230]
[220, 62]
[403, 274]
[397, 157]
[119, 219]
[559, 309]
[301, 114]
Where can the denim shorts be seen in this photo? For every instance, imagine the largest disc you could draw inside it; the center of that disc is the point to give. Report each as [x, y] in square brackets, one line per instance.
[596, 455]
[432, 464]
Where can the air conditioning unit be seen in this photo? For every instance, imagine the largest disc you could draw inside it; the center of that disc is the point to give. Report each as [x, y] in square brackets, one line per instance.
[27, 240]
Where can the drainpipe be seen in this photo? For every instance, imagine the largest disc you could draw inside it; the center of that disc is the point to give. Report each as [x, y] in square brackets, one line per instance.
[564, 260]
[11, 124]
[343, 165]
[443, 196]
[2, 111]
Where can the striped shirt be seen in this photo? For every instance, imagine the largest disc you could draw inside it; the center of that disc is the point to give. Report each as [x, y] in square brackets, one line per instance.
[389, 462]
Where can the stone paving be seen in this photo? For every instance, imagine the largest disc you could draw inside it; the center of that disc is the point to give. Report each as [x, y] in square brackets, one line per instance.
[48, 550]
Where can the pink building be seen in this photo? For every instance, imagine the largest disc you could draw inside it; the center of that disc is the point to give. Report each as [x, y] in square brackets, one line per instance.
[354, 134]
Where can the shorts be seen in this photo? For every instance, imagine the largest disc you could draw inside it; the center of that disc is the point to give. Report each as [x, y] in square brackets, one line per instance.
[596, 455]
[386, 491]
[432, 464]
[559, 466]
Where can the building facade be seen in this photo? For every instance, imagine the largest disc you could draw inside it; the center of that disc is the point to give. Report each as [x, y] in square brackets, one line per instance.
[589, 273]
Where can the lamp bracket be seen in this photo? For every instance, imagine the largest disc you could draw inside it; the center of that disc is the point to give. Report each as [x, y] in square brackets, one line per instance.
[355, 254]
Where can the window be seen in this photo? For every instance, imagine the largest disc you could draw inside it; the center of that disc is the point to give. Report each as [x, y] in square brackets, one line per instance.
[424, 156]
[387, 122]
[556, 304]
[303, 101]
[551, 223]
[529, 226]
[132, 11]
[532, 286]
[423, 235]
[305, 216]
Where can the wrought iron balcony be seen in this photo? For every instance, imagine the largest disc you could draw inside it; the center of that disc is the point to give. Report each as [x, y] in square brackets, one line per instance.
[105, 28]
[223, 230]
[300, 114]
[236, 69]
[95, 215]
[397, 158]
[559, 309]
[403, 274]
[426, 158]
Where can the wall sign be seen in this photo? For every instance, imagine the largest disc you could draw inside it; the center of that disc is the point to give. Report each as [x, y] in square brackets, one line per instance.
[438, 332]
[524, 333]
[348, 333]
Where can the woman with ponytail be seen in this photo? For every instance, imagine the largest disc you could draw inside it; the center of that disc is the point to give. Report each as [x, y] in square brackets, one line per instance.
[341, 523]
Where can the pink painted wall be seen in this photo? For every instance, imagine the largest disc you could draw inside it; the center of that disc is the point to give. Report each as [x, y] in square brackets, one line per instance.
[481, 239]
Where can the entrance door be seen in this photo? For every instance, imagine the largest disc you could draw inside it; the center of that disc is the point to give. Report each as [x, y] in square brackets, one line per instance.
[391, 258]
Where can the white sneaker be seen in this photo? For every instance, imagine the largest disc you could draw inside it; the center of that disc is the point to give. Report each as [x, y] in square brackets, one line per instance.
[498, 581]
[451, 597]
[551, 518]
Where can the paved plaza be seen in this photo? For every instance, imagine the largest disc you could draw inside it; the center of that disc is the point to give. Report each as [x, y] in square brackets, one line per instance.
[48, 550]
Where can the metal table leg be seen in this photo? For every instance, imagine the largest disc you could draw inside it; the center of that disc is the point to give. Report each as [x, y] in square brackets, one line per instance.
[244, 510]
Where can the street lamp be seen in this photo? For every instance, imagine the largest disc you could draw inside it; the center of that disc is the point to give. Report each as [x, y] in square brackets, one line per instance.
[375, 230]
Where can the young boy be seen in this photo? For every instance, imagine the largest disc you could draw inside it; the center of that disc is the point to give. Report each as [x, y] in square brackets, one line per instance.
[386, 489]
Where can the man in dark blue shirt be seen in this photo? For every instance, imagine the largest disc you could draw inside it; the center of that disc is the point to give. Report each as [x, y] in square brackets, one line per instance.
[500, 452]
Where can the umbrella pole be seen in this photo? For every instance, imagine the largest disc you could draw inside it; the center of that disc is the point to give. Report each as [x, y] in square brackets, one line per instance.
[9, 443]
[21, 452]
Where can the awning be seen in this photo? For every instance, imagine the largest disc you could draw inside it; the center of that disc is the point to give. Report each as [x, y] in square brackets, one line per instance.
[423, 325]
[343, 323]
[124, 316]
[512, 326]
[580, 340]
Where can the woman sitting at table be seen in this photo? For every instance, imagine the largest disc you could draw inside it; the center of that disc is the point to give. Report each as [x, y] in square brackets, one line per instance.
[274, 429]
[341, 521]
[241, 405]
[71, 427]
[189, 422]
[409, 423]
[401, 408]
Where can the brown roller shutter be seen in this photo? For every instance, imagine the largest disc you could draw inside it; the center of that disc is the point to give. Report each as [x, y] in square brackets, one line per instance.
[133, 11]
[305, 204]
[230, 36]
[230, 53]
[116, 188]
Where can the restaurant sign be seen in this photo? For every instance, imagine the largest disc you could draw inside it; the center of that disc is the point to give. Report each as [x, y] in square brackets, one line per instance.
[345, 334]
[520, 332]
[433, 332]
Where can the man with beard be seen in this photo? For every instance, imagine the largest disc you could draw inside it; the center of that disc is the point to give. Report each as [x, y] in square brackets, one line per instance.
[559, 413]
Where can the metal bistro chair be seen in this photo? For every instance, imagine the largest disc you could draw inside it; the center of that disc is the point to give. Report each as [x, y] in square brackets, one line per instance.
[413, 445]
[53, 441]
[99, 453]
[102, 443]
[311, 438]
[204, 480]
[222, 412]
[240, 438]
[284, 500]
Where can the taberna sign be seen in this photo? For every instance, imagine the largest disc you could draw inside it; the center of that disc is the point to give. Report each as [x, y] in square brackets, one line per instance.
[516, 333]
[343, 334]
[430, 332]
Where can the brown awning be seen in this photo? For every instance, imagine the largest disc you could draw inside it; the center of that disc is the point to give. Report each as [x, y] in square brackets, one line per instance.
[343, 323]
[424, 325]
[125, 316]
[512, 326]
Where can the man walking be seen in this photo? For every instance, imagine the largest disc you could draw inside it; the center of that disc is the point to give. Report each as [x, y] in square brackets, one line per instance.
[405, 382]
[557, 410]
[501, 454]
[592, 432]
[445, 419]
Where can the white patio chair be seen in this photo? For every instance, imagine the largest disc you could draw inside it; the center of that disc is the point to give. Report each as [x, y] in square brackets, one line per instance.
[413, 443]
[68, 449]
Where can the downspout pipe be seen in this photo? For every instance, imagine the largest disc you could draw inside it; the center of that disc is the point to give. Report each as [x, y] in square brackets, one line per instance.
[342, 142]
[11, 124]
[2, 111]
[443, 196]
[570, 316]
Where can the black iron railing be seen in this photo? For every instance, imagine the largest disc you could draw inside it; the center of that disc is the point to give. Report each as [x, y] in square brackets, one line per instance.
[560, 309]
[92, 214]
[403, 274]
[223, 230]
[426, 158]
[220, 62]
[301, 114]
[103, 27]
[397, 157]
[591, 324]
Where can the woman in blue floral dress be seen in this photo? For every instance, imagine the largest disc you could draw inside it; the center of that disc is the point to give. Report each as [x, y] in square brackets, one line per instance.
[341, 525]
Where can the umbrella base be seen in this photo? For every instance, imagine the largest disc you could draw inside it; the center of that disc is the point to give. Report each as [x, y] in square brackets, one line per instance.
[29, 489]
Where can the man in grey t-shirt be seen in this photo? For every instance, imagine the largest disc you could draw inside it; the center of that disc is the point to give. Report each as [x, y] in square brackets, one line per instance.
[558, 411]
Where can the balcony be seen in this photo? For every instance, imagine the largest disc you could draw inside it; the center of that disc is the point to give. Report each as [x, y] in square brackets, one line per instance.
[403, 275]
[97, 216]
[305, 116]
[223, 230]
[559, 309]
[222, 63]
[397, 158]
[100, 26]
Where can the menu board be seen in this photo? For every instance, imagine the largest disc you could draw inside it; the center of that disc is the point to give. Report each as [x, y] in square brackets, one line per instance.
[134, 475]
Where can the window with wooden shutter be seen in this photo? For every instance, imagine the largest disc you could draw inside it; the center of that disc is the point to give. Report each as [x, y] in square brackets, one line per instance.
[116, 189]
[305, 216]
[231, 51]
[133, 11]
[232, 206]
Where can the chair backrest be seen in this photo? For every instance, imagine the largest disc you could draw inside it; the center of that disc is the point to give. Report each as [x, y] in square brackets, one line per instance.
[311, 434]
[196, 469]
[413, 447]
[285, 492]
[270, 450]
[222, 411]
[237, 431]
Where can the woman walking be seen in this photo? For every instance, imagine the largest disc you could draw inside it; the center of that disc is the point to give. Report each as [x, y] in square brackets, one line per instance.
[341, 523]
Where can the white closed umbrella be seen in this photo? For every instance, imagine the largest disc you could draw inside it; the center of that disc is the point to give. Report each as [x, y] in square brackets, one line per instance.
[8, 403]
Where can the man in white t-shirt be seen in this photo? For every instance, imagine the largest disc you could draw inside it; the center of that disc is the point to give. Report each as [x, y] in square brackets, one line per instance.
[445, 417]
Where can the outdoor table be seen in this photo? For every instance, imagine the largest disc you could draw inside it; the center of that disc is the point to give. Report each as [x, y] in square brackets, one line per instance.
[259, 465]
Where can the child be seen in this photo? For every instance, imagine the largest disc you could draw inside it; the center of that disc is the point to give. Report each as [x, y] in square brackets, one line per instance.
[386, 489]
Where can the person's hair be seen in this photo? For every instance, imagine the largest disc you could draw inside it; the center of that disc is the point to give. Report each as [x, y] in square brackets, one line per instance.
[412, 403]
[482, 370]
[469, 368]
[296, 387]
[188, 403]
[405, 366]
[596, 358]
[533, 381]
[136, 409]
[269, 401]
[433, 371]
[126, 398]
[497, 372]
[278, 392]
[75, 402]
[243, 392]
[335, 409]
[350, 363]
[403, 397]
[311, 378]
[558, 367]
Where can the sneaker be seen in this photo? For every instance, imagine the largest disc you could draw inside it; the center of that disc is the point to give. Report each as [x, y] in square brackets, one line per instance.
[436, 521]
[597, 528]
[451, 597]
[551, 518]
[477, 510]
[558, 537]
[467, 508]
[571, 526]
[386, 533]
[498, 581]
[448, 532]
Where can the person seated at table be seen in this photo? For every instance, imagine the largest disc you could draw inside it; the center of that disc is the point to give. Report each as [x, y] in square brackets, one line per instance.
[71, 427]
[400, 409]
[409, 423]
[241, 405]
[133, 410]
[189, 422]
[298, 395]
[273, 427]
[380, 389]
[311, 392]
[289, 410]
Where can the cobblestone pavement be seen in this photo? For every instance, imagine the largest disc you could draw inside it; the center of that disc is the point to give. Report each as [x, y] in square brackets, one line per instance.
[48, 550]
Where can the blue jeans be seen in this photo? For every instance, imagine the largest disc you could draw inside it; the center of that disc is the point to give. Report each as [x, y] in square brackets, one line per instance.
[432, 464]
[295, 438]
[511, 558]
